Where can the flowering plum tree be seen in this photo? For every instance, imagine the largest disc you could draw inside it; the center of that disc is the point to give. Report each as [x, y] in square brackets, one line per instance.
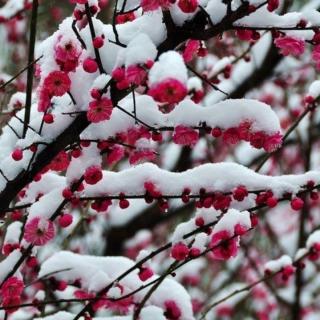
[159, 160]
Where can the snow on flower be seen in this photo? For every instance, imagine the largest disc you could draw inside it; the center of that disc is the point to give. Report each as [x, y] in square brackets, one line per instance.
[171, 297]
[67, 53]
[167, 78]
[168, 91]
[313, 245]
[283, 265]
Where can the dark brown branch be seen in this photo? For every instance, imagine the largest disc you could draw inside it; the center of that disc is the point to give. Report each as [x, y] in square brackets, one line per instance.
[32, 43]
[93, 35]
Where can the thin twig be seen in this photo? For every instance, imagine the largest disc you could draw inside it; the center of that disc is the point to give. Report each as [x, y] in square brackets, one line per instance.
[206, 80]
[23, 122]
[247, 288]
[136, 119]
[19, 73]
[4, 176]
[75, 30]
[14, 131]
[153, 289]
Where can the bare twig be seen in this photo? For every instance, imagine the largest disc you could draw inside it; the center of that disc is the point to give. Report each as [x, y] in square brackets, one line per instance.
[19, 73]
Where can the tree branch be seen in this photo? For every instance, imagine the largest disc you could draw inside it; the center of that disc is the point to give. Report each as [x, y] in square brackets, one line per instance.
[32, 42]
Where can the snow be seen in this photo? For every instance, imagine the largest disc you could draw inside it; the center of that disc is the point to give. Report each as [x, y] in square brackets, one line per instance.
[178, 16]
[200, 241]
[169, 66]
[147, 313]
[193, 268]
[301, 253]
[11, 8]
[208, 215]
[264, 18]
[61, 315]
[227, 222]
[129, 5]
[313, 239]
[86, 268]
[146, 22]
[217, 10]
[133, 53]
[223, 177]
[152, 313]
[314, 89]
[173, 65]
[182, 229]
[226, 114]
[8, 263]
[18, 98]
[220, 65]
[47, 204]
[231, 219]
[276, 265]
[128, 32]
[9, 140]
[90, 156]
[46, 184]
[140, 236]
[94, 3]
[13, 232]
[194, 83]
[46, 49]
[114, 293]
[310, 13]
[101, 81]
[119, 217]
